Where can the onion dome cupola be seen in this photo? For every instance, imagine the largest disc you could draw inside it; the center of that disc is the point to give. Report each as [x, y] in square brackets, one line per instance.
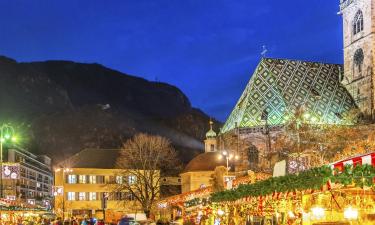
[211, 133]
[210, 144]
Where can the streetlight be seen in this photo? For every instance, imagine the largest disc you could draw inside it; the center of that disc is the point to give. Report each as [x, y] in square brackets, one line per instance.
[6, 134]
[228, 156]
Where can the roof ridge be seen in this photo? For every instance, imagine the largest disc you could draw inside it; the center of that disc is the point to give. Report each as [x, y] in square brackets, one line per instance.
[301, 60]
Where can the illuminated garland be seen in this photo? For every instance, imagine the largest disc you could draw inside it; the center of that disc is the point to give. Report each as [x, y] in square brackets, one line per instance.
[361, 175]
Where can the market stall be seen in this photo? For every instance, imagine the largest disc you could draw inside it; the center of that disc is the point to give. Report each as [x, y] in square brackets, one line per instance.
[14, 212]
[340, 193]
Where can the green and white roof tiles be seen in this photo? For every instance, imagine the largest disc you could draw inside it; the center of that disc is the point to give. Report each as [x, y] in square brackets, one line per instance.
[280, 86]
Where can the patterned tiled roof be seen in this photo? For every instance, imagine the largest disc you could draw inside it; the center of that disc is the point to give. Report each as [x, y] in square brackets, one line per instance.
[278, 87]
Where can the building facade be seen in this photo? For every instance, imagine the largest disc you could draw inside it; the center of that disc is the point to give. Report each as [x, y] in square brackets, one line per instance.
[27, 177]
[85, 179]
[359, 38]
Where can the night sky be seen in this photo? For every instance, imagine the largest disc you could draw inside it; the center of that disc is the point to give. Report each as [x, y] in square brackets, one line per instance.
[207, 48]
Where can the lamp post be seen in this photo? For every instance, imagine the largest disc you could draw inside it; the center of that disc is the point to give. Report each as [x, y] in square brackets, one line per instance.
[6, 134]
[228, 156]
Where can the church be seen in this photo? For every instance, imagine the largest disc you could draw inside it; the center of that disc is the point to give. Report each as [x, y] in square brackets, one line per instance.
[278, 88]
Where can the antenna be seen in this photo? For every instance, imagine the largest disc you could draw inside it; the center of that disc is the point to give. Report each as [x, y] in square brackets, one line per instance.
[264, 51]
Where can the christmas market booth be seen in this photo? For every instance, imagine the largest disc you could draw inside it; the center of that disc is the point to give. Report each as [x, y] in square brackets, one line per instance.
[341, 193]
[189, 205]
[15, 212]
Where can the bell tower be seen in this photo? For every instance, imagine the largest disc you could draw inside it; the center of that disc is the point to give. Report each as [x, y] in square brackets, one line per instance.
[359, 42]
[210, 144]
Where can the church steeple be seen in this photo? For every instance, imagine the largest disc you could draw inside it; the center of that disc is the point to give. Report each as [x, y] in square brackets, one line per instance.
[358, 28]
[210, 144]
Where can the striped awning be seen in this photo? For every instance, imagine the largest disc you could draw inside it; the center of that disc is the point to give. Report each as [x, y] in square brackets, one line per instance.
[368, 159]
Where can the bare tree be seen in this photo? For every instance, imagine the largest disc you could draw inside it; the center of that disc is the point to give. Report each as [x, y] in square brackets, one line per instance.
[143, 160]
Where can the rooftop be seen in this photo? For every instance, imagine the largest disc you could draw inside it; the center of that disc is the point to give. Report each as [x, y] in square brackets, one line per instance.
[279, 87]
[204, 162]
[93, 158]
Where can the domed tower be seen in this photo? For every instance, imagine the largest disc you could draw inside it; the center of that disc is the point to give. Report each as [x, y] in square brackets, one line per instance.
[210, 144]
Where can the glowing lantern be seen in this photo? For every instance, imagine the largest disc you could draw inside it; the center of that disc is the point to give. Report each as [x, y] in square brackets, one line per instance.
[351, 213]
[317, 213]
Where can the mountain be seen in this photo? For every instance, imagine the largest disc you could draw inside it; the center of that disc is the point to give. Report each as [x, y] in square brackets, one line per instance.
[62, 107]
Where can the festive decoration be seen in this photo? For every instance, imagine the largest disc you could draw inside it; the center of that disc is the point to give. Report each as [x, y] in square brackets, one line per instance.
[316, 178]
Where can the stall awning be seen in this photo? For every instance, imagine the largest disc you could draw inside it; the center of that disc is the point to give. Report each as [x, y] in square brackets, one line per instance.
[368, 159]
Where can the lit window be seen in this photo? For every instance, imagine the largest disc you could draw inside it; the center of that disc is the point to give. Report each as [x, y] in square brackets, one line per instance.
[71, 196]
[92, 179]
[82, 196]
[132, 179]
[118, 179]
[358, 22]
[92, 196]
[82, 179]
[72, 179]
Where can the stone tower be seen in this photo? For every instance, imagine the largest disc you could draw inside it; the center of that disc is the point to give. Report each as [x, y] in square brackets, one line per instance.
[359, 42]
[210, 144]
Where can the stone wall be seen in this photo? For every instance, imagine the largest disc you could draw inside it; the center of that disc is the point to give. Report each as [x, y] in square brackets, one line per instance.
[360, 84]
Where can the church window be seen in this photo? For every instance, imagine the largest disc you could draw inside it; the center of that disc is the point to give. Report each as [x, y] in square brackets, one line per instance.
[358, 60]
[358, 22]
[253, 155]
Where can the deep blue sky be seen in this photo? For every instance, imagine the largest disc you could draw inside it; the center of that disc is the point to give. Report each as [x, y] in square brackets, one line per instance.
[208, 48]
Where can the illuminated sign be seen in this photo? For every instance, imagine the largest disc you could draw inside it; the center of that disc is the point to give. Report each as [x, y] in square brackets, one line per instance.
[11, 171]
[31, 201]
[298, 164]
[58, 190]
[11, 197]
[229, 181]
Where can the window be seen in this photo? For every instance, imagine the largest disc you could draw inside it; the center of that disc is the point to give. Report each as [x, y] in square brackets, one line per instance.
[92, 196]
[71, 196]
[212, 147]
[118, 179]
[358, 22]
[118, 196]
[92, 179]
[100, 179]
[72, 179]
[132, 179]
[253, 155]
[358, 61]
[82, 179]
[82, 196]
